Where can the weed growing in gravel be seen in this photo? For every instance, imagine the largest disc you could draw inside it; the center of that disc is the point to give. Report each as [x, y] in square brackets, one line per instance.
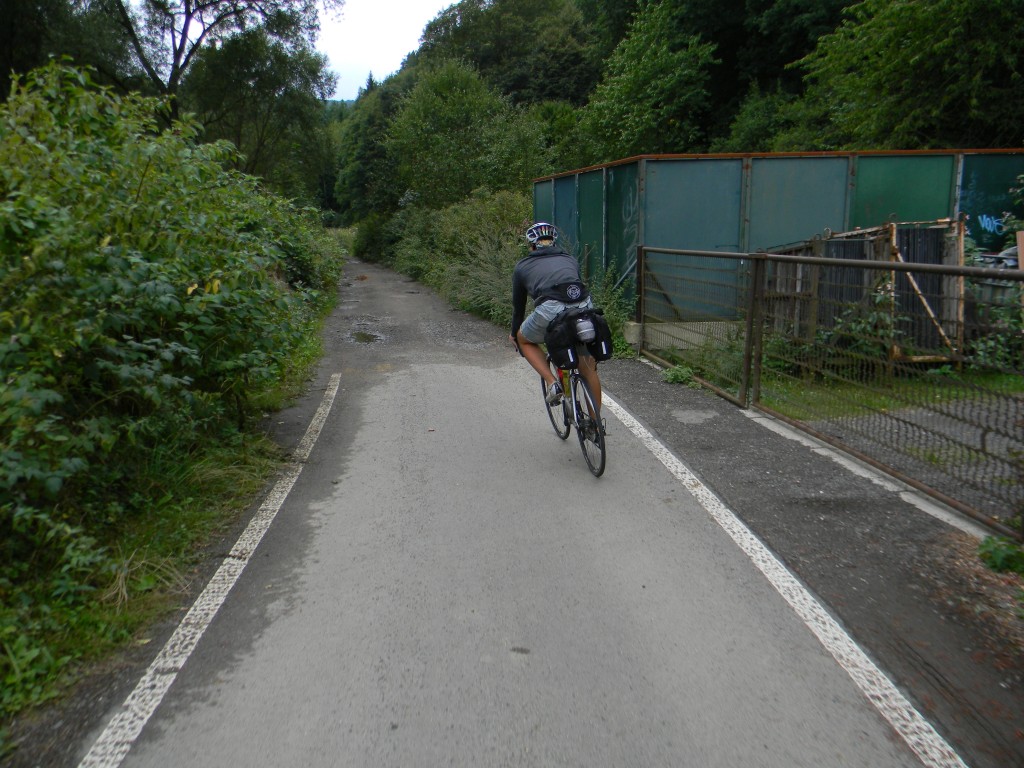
[1002, 554]
[680, 374]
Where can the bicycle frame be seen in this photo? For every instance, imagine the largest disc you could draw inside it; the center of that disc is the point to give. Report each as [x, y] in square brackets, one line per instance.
[578, 408]
[568, 378]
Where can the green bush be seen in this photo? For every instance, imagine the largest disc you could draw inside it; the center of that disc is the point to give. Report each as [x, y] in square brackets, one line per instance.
[1002, 554]
[147, 293]
[371, 241]
[466, 251]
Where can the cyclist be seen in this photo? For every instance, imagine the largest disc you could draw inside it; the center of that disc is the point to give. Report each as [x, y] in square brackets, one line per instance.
[551, 277]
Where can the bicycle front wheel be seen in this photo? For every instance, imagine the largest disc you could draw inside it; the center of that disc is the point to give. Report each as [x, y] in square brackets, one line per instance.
[589, 426]
[559, 412]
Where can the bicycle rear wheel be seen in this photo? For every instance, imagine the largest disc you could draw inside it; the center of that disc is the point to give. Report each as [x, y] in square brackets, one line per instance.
[589, 429]
[559, 412]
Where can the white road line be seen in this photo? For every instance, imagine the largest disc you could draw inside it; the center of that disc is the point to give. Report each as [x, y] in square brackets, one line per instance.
[918, 733]
[110, 749]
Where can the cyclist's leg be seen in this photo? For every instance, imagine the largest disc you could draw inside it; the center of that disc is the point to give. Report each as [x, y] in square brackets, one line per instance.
[588, 370]
[536, 357]
[531, 334]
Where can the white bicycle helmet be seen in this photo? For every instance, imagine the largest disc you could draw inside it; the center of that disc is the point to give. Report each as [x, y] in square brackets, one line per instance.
[542, 231]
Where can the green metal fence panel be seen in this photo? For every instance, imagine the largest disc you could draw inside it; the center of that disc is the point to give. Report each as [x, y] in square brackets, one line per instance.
[694, 204]
[544, 200]
[793, 198]
[566, 211]
[623, 211]
[902, 188]
[697, 202]
[985, 184]
[590, 224]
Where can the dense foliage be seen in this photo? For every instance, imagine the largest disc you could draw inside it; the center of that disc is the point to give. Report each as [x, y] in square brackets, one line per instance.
[267, 99]
[452, 134]
[654, 97]
[926, 74]
[148, 295]
[246, 70]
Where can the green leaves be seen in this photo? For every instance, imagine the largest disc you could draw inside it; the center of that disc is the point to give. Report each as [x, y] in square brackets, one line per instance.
[146, 294]
[935, 73]
[654, 96]
[1002, 554]
[453, 134]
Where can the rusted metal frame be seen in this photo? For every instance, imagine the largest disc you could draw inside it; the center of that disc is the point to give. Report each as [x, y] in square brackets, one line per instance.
[723, 393]
[750, 386]
[1020, 266]
[955, 286]
[961, 507]
[748, 156]
[958, 272]
[657, 287]
[818, 247]
[894, 257]
[641, 266]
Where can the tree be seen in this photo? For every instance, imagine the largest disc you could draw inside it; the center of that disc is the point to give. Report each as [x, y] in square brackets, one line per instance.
[610, 20]
[365, 183]
[910, 75]
[453, 134]
[761, 118]
[654, 97]
[529, 50]
[778, 33]
[267, 99]
[35, 31]
[166, 36]
[23, 36]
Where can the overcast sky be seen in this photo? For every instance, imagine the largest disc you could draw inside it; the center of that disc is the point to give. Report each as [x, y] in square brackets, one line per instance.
[373, 36]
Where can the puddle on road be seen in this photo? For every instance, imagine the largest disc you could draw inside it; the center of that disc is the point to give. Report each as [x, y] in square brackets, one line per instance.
[364, 337]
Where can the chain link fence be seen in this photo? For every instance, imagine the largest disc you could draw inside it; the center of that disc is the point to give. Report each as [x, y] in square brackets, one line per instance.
[880, 342]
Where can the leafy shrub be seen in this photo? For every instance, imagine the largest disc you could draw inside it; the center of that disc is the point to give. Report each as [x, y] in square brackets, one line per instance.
[680, 374]
[371, 239]
[1002, 554]
[147, 292]
[466, 251]
[998, 342]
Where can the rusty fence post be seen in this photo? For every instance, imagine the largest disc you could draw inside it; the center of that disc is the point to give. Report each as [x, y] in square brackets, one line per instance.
[750, 384]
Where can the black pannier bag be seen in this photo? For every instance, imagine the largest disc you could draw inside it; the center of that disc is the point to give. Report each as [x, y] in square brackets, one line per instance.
[560, 339]
[601, 346]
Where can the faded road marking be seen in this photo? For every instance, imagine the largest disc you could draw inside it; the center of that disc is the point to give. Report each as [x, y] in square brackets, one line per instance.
[110, 749]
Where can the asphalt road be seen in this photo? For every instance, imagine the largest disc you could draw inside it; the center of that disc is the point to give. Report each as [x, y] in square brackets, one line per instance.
[442, 582]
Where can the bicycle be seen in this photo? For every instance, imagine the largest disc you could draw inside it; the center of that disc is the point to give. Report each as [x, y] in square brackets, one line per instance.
[577, 408]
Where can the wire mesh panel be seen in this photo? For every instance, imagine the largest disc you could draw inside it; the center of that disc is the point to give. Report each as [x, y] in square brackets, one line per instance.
[917, 369]
[872, 341]
[694, 312]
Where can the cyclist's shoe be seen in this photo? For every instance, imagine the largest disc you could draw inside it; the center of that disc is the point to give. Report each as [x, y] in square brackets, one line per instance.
[554, 396]
[591, 427]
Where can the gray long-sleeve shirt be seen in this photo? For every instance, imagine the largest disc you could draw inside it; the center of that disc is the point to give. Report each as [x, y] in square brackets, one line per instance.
[537, 276]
